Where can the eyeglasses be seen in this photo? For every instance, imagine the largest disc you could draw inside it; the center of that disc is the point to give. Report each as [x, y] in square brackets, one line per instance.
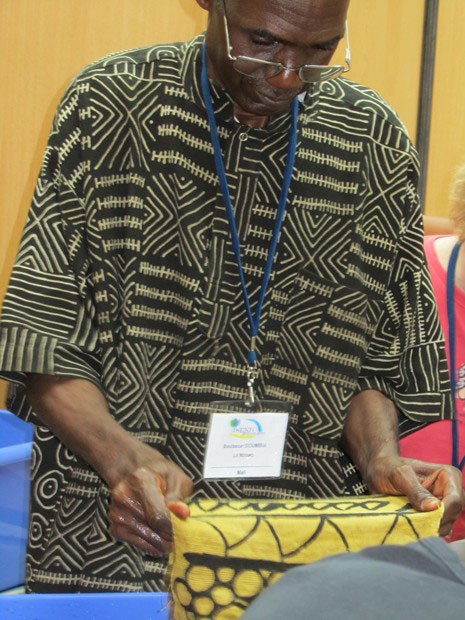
[259, 69]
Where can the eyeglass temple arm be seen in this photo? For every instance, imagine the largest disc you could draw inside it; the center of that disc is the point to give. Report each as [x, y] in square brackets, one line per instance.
[348, 56]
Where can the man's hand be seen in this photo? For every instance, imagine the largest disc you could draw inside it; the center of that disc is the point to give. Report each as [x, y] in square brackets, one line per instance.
[370, 438]
[142, 501]
[145, 486]
[424, 484]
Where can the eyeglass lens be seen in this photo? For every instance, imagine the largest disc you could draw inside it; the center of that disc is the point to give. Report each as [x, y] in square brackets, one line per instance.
[307, 73]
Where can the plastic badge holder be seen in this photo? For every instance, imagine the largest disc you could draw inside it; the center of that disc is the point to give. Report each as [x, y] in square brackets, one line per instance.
[15, 457]
[120, 606]
[241, 445]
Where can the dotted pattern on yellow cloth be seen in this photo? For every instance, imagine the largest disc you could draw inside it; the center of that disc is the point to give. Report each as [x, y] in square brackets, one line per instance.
[228, 551]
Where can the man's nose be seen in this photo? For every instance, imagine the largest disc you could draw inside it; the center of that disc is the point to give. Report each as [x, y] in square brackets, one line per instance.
[287, 79]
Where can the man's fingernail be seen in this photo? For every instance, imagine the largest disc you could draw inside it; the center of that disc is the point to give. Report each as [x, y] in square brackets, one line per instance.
[430, 503]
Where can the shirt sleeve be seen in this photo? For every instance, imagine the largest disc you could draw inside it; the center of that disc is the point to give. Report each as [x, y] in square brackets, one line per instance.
[406, 359]
[47, 323]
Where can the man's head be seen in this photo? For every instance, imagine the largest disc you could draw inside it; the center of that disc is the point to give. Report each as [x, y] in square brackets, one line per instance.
[290, 32]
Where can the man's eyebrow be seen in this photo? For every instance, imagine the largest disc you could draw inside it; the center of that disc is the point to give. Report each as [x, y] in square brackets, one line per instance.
[330, 42]
[272, 38]
[265, 34]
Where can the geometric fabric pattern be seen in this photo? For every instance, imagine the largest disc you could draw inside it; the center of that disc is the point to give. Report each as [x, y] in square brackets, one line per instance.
[126, 277]
[228, 552]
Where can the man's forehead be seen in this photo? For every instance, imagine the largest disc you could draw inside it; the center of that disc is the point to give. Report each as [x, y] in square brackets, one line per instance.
[321, 9]
[278, 16]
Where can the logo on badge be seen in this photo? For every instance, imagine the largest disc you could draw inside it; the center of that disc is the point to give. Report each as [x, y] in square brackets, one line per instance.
[246, 428]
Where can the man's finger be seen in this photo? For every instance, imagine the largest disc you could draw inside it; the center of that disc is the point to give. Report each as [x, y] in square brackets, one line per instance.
[179, 509]
[407, 483]
[150, 510]
[125, 535]
[122, 497]
[446, 483]
[178, 487]
[125, 521]
[153, 502]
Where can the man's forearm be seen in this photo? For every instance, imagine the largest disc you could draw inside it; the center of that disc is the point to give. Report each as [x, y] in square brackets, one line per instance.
[370, 438]
[144, 485]
[76, 411]
[370, 430]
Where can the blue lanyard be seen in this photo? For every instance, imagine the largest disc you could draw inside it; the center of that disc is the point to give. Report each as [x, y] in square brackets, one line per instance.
[450, 286]
[254, 320]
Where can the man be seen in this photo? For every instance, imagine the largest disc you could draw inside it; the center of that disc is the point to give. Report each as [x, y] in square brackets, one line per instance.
[125, 315]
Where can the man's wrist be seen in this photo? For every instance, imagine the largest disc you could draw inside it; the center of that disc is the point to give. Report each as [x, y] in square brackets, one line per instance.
[370, 431]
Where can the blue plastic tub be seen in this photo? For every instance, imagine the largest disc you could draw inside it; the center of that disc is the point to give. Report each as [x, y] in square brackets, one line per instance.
[146, 606]
[15, 460]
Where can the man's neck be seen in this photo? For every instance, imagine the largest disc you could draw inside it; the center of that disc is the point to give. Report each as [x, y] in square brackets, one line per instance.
[258, 122]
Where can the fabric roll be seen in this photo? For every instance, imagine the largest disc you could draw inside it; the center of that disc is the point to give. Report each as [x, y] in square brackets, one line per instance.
[229, 551]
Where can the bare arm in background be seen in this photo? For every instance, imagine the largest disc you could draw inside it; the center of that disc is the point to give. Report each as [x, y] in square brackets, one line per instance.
[437, 225]
[144, 485]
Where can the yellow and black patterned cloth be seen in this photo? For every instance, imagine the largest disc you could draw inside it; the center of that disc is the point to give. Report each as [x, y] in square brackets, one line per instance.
[227, 552]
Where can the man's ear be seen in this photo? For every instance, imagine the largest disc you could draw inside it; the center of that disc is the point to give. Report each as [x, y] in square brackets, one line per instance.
[205, 4]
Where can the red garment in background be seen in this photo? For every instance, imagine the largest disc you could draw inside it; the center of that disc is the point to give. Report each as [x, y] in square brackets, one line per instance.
[434, 442]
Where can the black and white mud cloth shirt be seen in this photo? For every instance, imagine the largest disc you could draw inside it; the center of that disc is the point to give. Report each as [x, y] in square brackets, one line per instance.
[125, 276]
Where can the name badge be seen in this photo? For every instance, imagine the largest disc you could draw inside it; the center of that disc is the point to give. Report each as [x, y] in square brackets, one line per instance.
[246, 440]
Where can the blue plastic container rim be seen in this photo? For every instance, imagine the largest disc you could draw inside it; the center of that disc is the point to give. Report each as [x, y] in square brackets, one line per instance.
[15, 453]
[108, 606]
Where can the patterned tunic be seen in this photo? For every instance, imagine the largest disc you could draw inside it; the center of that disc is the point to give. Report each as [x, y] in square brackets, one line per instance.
[125, 276]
